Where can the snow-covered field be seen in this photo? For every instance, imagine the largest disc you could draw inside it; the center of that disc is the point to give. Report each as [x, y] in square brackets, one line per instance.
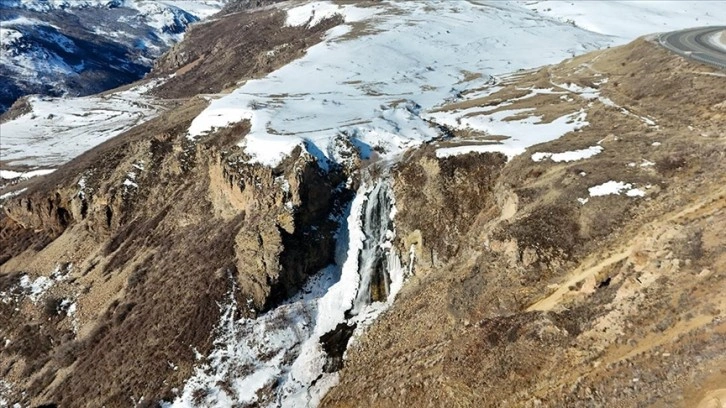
[374, 85]
[59, 129]
[374, 88]
[626, 20]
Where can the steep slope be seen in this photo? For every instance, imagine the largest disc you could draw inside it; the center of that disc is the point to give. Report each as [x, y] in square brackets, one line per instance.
[149, 233]
[589, 272]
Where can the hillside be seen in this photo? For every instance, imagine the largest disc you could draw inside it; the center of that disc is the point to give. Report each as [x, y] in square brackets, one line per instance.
[82, 47]
[374, 204]
[591, 270]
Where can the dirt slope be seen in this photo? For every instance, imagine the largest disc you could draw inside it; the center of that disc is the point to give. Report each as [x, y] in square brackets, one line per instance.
[531, 298]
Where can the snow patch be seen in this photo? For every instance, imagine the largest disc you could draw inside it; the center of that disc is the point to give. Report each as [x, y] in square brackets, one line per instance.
[520, 133]
[635, 192]
[459, 150]
[570, 156]
[615, 188]
[12, 175]
[36, 288]
[583, 91]
[12, 194]
[312, 14]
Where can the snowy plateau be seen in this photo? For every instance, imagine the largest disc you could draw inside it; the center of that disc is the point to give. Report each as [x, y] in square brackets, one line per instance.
[379, 82]
[377, 89]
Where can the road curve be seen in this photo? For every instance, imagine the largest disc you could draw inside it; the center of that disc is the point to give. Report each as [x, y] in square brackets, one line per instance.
[694, 43]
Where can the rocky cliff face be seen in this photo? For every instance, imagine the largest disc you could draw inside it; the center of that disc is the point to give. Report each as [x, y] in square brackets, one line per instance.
[147, 234]
[155, 226]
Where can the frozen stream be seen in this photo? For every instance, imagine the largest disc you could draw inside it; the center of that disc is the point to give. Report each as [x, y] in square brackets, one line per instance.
[290, 355]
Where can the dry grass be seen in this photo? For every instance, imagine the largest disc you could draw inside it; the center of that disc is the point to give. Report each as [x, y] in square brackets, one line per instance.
[233, 48]
[629, 302]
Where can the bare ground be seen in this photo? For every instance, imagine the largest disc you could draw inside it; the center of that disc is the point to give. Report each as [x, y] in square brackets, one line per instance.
[544, 301]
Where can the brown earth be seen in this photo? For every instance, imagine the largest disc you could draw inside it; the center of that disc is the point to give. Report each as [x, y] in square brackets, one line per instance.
[210, 60]
[522, 296]
[152, 231]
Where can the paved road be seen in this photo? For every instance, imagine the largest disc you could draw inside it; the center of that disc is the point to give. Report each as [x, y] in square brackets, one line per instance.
[694, 43]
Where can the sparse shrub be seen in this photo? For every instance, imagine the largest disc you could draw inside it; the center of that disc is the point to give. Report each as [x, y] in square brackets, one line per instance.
[670, 164]
[52, 306]
[549, 230]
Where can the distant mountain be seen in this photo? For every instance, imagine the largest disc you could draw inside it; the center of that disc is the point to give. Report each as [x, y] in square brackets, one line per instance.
[81, 47]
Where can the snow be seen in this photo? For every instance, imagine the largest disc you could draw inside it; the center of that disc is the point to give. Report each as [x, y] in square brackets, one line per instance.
[35, 288]
[635, 192]
[27, 60]
[306, 378]
[11, 175]
[282, 346]
[130, 183]
[5, 389]
[59, 129]
[71, 308]
[9, 36]
[22, 20]
[311, 14]
[570, 156]
[585, 92]
[459, 150]
[348, 93]
[202, 9]
[520, 133]
[12, 194]
[626, 20]
[615, 188]
[199, 8]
